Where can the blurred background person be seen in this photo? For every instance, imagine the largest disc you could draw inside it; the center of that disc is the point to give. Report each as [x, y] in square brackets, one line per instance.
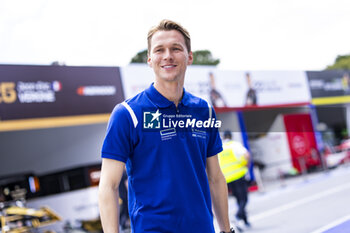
[234, 162]
[251, 97]
[216, 98]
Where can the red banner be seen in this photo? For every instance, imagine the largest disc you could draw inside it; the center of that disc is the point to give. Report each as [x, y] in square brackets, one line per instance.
[302, 142]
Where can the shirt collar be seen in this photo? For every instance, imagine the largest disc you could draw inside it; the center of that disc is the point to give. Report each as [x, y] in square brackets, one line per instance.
[162, 102]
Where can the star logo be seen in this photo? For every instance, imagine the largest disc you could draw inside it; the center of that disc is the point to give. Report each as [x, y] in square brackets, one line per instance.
[151, 119]
[156, 115]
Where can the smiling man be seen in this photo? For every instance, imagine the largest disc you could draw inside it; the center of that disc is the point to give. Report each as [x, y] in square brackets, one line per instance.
[174, 174]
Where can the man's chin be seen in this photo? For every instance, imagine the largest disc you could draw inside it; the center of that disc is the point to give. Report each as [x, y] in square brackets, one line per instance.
[169, 78]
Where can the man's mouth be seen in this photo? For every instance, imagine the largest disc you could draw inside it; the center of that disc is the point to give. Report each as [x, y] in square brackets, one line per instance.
[168, 66]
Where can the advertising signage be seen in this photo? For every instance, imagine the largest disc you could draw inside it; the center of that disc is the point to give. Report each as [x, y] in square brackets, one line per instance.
[244, 89]
[49, 92]
[228, 88]
[329, 86]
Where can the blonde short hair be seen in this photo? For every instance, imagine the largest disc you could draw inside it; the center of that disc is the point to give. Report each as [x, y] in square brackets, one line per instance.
[168, 25]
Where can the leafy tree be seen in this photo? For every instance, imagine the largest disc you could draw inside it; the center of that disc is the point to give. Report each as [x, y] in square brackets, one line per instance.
[341, 62]
[204, 57]
[200, 57]
[140, 57]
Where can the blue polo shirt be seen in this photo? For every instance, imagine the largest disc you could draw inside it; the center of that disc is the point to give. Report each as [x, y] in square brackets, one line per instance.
[165, 151]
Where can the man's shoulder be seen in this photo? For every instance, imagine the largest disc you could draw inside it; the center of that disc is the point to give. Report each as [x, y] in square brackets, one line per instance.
[195, 101]
[137, 101]
[129, 106]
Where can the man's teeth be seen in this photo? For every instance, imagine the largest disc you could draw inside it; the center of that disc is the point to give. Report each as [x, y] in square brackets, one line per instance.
[168, 66]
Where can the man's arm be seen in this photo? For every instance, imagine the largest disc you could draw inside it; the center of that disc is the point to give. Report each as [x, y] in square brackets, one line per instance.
[108, 195]
[218, 192]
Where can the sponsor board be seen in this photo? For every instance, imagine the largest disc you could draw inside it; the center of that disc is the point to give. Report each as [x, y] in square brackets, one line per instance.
[329, 83]
[32, 92]
[228, 88]
[329, 87]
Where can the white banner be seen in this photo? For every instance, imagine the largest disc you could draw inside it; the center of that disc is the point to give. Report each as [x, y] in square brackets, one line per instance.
[226, 88]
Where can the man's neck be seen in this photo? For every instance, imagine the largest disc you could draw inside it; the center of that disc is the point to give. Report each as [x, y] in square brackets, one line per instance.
[173, 91]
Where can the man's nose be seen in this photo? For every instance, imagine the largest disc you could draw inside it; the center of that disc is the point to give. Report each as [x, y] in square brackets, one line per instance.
[168, 54]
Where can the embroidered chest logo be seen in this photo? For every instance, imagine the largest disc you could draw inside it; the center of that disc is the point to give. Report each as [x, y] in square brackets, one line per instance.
[151, 120]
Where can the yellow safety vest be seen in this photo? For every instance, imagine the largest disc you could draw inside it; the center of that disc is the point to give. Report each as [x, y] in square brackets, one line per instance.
[232, 167]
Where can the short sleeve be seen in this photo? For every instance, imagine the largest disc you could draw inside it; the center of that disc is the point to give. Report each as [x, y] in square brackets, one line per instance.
[118, 143]
[215, 143]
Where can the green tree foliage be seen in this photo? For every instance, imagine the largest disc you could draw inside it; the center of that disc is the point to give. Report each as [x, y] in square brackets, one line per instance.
[200, 57]
[204, 57]
[140, 57]
[342, 62]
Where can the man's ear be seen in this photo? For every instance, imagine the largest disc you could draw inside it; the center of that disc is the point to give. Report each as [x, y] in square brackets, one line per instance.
[149, 60]
[190, 58]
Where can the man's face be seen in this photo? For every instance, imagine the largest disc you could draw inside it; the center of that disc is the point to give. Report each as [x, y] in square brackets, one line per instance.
[168, 56]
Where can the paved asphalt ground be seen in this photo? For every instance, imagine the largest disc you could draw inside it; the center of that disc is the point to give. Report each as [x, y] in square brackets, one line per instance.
[314, 203]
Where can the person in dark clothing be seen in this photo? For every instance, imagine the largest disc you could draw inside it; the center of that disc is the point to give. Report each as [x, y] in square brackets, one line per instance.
[234, 162]
[251, 97]
[216, 98]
